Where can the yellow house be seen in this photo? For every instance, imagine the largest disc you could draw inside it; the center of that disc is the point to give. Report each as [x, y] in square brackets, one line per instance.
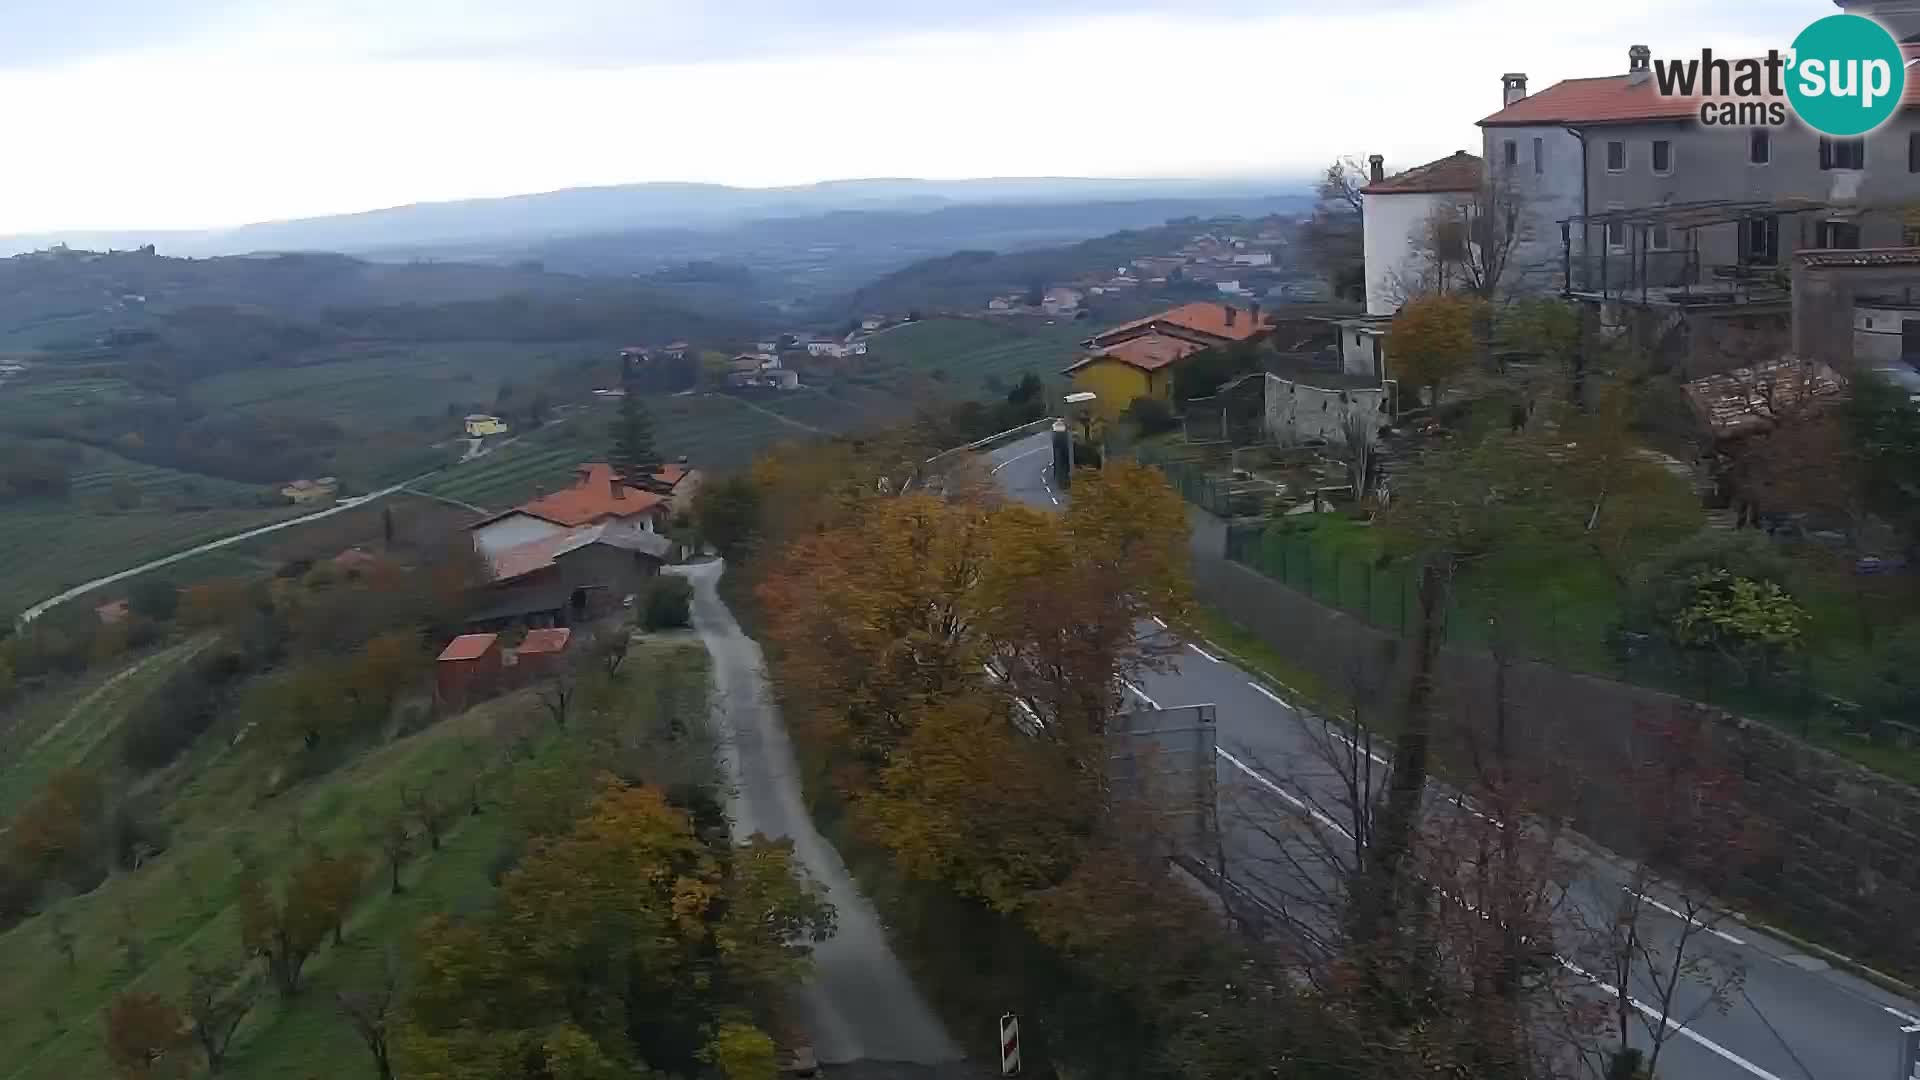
[1136, 359]
[1137, 368]
[479, 425]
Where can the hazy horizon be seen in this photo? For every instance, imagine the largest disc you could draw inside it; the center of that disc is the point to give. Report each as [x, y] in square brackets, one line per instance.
[209, 114]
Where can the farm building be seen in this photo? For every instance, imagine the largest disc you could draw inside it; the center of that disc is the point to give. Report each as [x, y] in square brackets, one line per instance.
[543, 652]
[570, 576]
[596, 496]
[468, 668]
[480, 425]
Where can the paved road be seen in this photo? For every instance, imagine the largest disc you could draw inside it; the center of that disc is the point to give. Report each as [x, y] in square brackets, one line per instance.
[861, 1004]
[1795, 1018]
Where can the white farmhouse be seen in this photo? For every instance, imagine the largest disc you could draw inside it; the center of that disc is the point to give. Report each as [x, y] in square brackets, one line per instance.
[1396, 214]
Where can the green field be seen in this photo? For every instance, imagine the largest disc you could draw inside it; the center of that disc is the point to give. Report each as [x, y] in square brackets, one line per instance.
[376, 387]
[94, 474]
[54, 547]
[970, 351]
[715, 432]
[225, 805]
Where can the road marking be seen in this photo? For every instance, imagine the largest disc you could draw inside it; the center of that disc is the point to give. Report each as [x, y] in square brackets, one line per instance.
[1139, 693]
[1160, 622]
[1017, 457]
[1264, 692]
[1901, 1015]
[1291, 799]
[1203, 652]
[1053, 500]
[1678, 1027]
[1684, 917]
[1355, 747]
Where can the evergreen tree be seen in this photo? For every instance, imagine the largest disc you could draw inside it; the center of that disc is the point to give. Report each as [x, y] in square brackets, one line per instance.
[633, 454]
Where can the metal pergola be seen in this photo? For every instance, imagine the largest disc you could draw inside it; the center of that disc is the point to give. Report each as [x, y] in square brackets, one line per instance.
[1640, 222]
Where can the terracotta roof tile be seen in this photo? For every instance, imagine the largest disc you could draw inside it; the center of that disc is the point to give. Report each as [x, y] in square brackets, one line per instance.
[1459, 171]
[1608, 99]
[1148, 353]
[468, 646]
[551, 639]
[1898, 256]
[1203, 318]
[595, 497]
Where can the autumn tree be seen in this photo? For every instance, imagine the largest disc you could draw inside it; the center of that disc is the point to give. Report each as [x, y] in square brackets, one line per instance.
[612, 946]
[218, 998]
[145, 1037]
[727, 513]
[1433, 341]
[60, 832]
[286, 931]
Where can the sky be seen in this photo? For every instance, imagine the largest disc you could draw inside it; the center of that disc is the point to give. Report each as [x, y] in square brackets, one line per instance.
[154, 114]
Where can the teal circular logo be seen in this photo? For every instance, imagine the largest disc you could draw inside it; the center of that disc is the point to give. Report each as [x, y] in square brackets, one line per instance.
[1847, 75]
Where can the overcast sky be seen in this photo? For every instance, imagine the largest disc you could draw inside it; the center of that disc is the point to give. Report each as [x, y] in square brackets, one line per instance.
[192, 113]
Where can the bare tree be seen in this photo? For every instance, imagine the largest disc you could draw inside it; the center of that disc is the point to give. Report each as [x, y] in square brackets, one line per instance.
[1471, 245]
[219, 996]
[1333, 233]
[396, 845]
[558, 694]
[434, 812]
[371, 1012]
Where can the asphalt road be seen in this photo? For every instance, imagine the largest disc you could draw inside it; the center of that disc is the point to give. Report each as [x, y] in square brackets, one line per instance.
[1794, 1017]
[860, 1006]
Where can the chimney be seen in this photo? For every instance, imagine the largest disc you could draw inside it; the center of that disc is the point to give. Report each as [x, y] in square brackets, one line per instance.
[1376, 168]
[1639, 65]
[1513, 87]
[1232, 312]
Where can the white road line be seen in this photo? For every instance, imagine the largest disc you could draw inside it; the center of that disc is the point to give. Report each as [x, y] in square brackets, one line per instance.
[1678, 1027]
[1901, 1015]
[1017, 457]
[1139, 693]
[1160, 622]
[1355, 747]
[1684, 917]
[1292, 800]
[1203, 652]
[1264, 692]
[1053, 500]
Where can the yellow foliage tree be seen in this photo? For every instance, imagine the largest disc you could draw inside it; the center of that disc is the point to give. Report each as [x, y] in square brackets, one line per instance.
[1432, 340]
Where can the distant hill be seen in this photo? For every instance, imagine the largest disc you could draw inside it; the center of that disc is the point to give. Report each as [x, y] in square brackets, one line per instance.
[534, 218]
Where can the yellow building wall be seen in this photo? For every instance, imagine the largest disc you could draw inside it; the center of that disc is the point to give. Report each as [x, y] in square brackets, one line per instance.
[1117, 384]
[486, 426]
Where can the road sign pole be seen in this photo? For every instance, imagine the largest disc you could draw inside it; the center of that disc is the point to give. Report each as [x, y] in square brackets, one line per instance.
[1009, 1045]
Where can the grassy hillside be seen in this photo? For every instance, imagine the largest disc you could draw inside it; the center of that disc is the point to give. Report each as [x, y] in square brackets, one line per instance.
[969, 354]
[54, 547]
[226, 808]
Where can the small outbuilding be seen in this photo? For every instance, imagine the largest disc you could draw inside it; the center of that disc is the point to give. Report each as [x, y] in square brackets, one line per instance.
[543, 652]
[468, 668]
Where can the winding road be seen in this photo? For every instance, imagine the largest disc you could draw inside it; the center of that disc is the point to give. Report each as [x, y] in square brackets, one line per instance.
[1794, 1016]
[861, 1006]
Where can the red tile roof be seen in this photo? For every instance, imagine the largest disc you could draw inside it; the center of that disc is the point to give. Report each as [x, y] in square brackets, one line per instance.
[1150, 352]
[549, 640]
[595, 497]
[1203, 318]
[539, 554]
[1458, 171]
[1608, 99]
[468, 646]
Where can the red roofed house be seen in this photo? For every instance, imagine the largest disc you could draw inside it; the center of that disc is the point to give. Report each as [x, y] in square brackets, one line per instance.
[1136, 359]
[469, 667]
[595, 497]
[1665, 209]
[1399, 213]
[570, 576]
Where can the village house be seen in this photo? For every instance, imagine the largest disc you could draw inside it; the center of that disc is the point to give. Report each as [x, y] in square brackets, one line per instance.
[570, 576]
[1136, 359]
[835, 348]
[305, 492]
[596, 497]
[480, 425]
[1399, 215]
[1061, 301]
[762, 370]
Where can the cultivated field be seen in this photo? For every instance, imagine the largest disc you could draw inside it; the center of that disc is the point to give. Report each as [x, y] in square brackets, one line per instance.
[968, 352]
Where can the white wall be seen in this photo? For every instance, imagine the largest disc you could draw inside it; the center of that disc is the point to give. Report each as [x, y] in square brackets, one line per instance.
[1877, 334]
[1391, 221]
[510, 532]
[1362, 353]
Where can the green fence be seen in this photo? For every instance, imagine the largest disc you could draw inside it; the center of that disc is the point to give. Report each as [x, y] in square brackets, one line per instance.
[1382, 595]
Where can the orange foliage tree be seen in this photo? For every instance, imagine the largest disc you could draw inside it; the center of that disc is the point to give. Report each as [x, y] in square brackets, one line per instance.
[146, 1037]
[1433, 341]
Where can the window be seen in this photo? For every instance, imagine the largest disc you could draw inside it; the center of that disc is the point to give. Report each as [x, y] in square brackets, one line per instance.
[1843, 235]
[1763, 240]
[1617, 235]
[1843, 153]
[1662, 156]
[1616, 156]
[1760, 147]
[1659, 239]
[1510, 153]
[1913, 151]
[1540, 154]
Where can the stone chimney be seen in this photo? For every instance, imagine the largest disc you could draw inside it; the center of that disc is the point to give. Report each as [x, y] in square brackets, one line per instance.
[1232, 313]
[1639, 65]
[1376, 168]
[1513, 87]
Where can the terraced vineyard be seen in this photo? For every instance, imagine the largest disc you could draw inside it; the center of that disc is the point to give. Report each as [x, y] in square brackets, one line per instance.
[49, 549]
[970, 351]
[95, 474]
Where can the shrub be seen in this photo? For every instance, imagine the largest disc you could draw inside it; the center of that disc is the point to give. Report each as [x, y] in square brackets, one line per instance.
[1151, 415]
[668, 604]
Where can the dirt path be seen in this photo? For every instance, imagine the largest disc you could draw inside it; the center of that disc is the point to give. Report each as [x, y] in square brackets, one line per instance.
[861, 1003]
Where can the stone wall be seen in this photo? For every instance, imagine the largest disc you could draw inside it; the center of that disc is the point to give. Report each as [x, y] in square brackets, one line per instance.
[1840, 844]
